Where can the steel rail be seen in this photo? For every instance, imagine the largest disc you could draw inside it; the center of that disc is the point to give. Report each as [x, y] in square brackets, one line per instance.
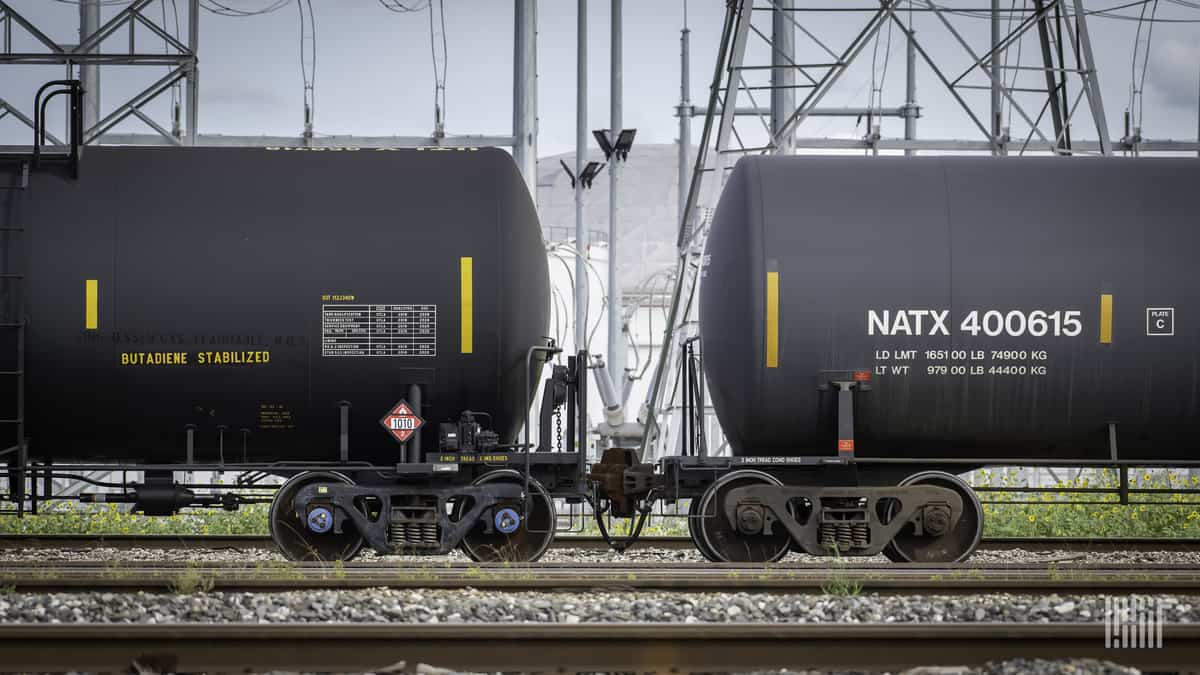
[571, 648]
[253, 541]
[907, 579]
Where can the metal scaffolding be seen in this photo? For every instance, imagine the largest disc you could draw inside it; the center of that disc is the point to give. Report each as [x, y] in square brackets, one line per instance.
[92, 54]
[773, 71]
[124, 41]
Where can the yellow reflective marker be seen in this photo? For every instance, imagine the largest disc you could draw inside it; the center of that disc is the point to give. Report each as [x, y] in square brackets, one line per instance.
[91, 301]
[1106, 318]
[772, 319]
[465, 266]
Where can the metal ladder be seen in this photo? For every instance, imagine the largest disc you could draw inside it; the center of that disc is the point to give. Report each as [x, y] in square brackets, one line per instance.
[14, 458]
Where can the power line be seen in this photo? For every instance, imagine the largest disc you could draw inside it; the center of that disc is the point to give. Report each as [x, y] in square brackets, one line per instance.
[307, 73]
[1137, 83]
[876, 97]
[437, 37]
[1106, 13]
[217, 7]
[102, 3]
[176, 90]
[439, 70]
[401, 8]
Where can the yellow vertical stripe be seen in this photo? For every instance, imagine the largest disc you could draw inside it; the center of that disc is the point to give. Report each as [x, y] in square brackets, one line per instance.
[91, 301]
[772, 319]
[465, 266]
[1106, 319]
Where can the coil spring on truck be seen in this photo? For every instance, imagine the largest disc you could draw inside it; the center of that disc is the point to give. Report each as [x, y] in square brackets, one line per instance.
[845, 536]
[414, 526]
[421, 535]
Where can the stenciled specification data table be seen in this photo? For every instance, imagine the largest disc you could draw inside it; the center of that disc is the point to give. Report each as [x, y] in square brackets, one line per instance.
[379, 330]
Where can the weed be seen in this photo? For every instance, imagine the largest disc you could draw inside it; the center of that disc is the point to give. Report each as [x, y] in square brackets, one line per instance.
[191, 580]
[841, 587]
[839, 583]
[1053, 572]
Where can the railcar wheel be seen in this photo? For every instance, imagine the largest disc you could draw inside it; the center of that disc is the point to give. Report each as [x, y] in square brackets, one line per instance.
[514, 538]
[953, 546]
[693, 521]
[293, 535]
[726, 543]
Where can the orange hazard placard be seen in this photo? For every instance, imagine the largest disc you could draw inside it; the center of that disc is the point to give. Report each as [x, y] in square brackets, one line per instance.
[401, 422]
[846, 445]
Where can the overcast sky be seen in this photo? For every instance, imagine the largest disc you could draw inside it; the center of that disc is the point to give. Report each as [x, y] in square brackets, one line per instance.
[374, 74]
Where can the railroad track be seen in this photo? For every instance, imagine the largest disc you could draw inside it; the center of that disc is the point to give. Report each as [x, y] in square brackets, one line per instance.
[567, 648]
[778, 578]
[252, 541]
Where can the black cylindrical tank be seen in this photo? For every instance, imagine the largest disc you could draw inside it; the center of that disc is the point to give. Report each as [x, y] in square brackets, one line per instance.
[250, 291]
[1000, 308]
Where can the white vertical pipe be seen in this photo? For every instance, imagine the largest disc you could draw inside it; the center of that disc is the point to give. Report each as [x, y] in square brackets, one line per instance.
[616, 361]
[525, 91]
[581, 241]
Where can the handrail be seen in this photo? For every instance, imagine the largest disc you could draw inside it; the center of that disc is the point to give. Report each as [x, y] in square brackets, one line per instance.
[74, 89]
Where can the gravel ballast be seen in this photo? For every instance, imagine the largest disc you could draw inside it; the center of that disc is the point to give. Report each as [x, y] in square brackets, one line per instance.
[1010, 667]
[573, 555]
[472, 606]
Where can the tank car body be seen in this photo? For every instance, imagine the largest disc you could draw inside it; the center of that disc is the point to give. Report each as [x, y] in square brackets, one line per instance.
[1004, 310]
[247, 293]
[368, 324]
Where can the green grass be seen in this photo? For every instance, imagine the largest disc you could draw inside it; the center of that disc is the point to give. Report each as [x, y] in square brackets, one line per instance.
[1054, 514]
[1059, 514]
[65, 518]
[190, 581]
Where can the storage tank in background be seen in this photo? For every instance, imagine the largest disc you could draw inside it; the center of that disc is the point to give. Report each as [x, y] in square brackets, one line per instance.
[1002, 308]
[250, 291]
